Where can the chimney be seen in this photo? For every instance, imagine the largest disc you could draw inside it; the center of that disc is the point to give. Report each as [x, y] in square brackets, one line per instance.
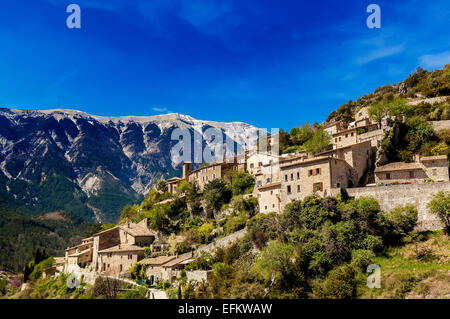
[187, 169]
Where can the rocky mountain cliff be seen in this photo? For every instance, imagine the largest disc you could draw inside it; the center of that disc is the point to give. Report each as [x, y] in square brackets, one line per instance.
[93, 166]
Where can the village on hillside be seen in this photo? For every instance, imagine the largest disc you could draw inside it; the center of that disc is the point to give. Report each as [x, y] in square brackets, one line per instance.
[279, 180]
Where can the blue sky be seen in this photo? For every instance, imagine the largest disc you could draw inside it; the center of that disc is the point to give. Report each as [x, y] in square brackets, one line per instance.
[268, 63]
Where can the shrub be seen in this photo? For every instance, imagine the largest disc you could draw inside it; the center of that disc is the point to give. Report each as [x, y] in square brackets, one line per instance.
[340, 284]
[440, 205]
[402, 219]
[361, 258]
[243, 183]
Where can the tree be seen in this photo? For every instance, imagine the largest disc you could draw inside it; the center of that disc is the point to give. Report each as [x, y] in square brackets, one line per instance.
[340, 284]
[184, 187]
[161, 186]
[319, 142]
[243, 183]
[402, 219]
[302, 134]
[378, 111]
[217, 193]
[274, 261]
[440, 205]
[193, 199]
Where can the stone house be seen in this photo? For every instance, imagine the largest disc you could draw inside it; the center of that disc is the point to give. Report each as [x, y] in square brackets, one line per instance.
[205, 174]
[333, 127]
[166, 268]
[256, 160]
[357, 156]
[344, 138]
[435, 168]
[269, 197]
[154, 267]
[119, 259]
[300, 178]
[112, 251]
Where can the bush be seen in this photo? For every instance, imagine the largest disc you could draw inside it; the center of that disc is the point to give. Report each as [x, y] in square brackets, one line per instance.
[340, 284]
[440, 205]
[402, 219]
[243, 183]
[217, 193]
[361, 258]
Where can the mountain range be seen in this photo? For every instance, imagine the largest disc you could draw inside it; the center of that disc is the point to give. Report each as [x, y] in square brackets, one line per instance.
[67, 160]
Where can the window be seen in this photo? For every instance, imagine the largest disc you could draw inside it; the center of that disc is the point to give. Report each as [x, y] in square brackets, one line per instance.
[339, 138]
[338, 185]
[252, 165]
[271, 192]
[318, 187]
[265, 207]
[353, 133]
[292, 177]
[286, 178]
[288, 189]
[104, 266]
[120, 268]
[411, 174]
[298, 175]
[214, 176]
[310, 172]
[346, 135]
[298, 188]
[335, 139]
[273, 205]
[388, 175]
[318, 171]
[260, 164]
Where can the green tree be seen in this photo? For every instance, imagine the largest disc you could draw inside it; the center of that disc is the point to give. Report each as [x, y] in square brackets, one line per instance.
[161, 186]
[243, 183]
[217, 193]
[319, 142]
[440, 205]
[340, 284]
[274, 261]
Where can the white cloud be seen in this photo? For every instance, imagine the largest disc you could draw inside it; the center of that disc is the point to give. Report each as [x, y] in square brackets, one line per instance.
[435, 61]
[162, 110]
[379, 54]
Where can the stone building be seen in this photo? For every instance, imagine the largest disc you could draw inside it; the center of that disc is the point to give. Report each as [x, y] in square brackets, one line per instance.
[433, 168]
[300, 177]
[205, 174]
[358, 156]
[119, 259]
[269, 197]
[166, 268]
[112, 251]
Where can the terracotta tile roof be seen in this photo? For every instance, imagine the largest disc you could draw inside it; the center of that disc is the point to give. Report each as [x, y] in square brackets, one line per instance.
[157, 260]
[137, 230]
[59, 260]
[274, 184]
[398, 166]
[122, 247]
[83, 252]
[180, 259]
[433, 158]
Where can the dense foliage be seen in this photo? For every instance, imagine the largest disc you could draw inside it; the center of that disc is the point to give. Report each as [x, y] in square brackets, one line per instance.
[315, 249]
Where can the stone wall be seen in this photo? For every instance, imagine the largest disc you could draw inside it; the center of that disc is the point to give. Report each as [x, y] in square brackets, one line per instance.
[198, 275]
[393, 196]
[440, 125]
[221, 242]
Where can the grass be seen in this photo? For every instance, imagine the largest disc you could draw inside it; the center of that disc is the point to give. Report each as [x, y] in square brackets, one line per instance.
[403, 275]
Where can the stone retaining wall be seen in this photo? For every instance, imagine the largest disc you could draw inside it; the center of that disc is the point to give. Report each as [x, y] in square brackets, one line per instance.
[393, 196]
